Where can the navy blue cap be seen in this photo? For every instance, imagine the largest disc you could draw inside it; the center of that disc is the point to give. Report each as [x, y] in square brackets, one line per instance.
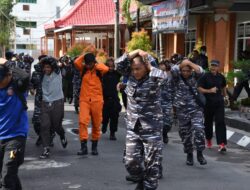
[215, 62]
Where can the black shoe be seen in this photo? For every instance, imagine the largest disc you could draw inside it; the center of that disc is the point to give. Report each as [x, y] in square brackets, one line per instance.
[64, 142]
[84, 148]
[39, 141]
[200, 158]
[45, 153]
[134, 179]
[139, 186]
[165, 138]
[76, 110]
[104, 129]
[94, 148]
[112, 137]
[165, 134]
[160, 176]
[190, 159]
[70, 100]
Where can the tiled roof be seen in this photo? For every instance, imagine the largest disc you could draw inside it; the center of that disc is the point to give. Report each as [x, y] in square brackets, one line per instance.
[87, 13]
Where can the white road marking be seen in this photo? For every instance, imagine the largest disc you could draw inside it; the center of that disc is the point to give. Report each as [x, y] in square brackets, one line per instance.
[244, 141]
[43, 164]
[67, 122]
[77, 186]
[229, 134]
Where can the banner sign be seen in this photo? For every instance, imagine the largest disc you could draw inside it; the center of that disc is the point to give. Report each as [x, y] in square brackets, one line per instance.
[170, 16]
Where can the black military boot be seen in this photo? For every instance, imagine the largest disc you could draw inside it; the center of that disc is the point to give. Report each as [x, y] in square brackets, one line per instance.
[94, 148]
[112, 136]
[165, 135]
[134, 179]
[76, 110]
[84, 148]
[190, 159]
[200, 158]
[139, 186]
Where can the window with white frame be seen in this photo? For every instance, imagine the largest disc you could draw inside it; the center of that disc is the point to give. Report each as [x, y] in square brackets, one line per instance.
[243, 40]
[190, 40]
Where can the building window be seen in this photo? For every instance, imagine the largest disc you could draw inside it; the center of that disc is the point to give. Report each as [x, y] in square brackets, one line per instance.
[26, 1]
[26, 7]
[243, 40]
[26, 24]
[26, 31]
[73, 2]
[190, 40]
[26, 46]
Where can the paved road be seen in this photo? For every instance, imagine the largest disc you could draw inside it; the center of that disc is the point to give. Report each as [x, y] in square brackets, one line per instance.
[65, 170]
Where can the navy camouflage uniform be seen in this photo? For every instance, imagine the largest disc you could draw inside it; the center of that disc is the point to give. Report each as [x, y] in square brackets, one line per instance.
[167, 95]
[77, 81]
[36, 81]
[144, 124]
[189, 113]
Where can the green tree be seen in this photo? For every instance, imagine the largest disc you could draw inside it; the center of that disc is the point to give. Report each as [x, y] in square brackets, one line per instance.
[126, 13]
[6, 24]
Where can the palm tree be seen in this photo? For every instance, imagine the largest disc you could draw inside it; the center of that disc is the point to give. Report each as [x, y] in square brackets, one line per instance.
[126, 13]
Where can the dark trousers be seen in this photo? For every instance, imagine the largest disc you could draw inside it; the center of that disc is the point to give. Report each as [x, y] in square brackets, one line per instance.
[111, 110]
[217, 114]
[238, 88]
[67, 88]
[11, 157]
[51, 119]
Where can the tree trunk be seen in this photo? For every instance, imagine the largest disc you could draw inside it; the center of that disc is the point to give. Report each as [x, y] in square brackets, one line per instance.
[137, 19]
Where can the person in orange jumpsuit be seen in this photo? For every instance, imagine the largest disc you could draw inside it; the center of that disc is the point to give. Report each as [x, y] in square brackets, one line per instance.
[90, 100]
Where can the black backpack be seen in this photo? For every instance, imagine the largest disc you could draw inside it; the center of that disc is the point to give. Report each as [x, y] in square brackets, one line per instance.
[20, 81]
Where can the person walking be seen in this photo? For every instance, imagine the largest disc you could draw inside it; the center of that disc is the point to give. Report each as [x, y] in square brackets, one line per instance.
[76, 86]
[91, 100]
[52, 106]
[167, 95]
[189, 112]
[213, 85]
[144, 118]
[112, 106]
[13, 129]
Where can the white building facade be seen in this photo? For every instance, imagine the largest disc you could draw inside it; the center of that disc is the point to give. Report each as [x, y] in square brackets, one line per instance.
[31, 16]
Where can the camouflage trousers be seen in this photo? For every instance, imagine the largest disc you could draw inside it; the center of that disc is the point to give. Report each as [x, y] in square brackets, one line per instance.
[191, 129]
[144, 146]
[167, 118]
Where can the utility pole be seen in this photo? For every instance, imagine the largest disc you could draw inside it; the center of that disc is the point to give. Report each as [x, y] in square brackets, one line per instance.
[117, 40]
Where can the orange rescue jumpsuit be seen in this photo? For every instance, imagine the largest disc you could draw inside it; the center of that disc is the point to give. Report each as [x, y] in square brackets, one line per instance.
[90, 100]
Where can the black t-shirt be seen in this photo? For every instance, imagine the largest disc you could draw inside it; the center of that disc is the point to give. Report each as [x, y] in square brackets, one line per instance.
[207, 81]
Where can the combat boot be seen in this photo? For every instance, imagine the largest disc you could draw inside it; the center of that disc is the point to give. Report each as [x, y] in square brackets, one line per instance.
[134, 179]
[190, 159]
[139, 186]
[200, 158]
[76, 110]
[84, 148]
[165, 135]
[94, 148]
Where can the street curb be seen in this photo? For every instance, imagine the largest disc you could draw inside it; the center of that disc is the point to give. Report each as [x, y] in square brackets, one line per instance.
[236, 123]
[238, 138]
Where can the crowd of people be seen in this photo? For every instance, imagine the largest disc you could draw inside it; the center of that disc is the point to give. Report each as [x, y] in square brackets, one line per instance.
[153, 95]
